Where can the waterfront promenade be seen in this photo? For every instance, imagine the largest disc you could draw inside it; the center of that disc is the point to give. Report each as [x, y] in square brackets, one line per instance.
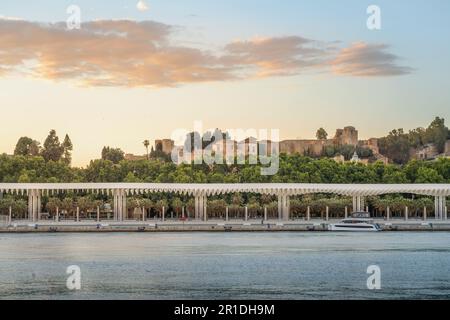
[200, 220]
[318, 225]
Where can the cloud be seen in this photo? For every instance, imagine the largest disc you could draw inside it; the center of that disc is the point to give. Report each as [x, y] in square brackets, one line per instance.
[142, 6]
[279, 56]
[2, 17]
[105, 53]
[127, 53]
[368, 60]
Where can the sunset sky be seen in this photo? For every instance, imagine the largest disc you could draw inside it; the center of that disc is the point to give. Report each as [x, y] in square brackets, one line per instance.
[140, 71]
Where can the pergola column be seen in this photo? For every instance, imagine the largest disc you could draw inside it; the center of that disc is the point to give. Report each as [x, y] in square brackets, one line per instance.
[288, 208]
[196, 211]
[280, 207]
[120, 204]
[34, 204]
[205, 208]
[358, 203]
[439, 207]
[436, 207]
[200, 205]
[283, 207]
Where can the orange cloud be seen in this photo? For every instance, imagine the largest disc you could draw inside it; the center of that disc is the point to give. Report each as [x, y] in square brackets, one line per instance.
[278, 56]
[368, 60]
[140, 54]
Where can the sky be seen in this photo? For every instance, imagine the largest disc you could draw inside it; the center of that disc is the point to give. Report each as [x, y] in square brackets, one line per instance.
[140, 70]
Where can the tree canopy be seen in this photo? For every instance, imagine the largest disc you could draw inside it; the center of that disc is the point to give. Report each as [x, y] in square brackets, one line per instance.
[52, 150]
[115, 155]
[27, 147]
[293, 169]
[321, 134]
[398, 145]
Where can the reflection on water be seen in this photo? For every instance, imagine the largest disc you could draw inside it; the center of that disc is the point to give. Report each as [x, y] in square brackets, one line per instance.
[225, 265]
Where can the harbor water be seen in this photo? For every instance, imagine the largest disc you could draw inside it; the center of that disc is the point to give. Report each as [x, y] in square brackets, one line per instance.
[234, 265]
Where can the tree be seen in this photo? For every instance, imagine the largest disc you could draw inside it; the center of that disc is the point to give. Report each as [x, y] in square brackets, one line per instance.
[321, 134]
[19, 207]
[347, 150]
[417, 137]
[159, 205]
[67, 205]
[85, 204]
[53, 204]
[134, 204]
[24, 177]
[147, 204]
[131, 178]
[395, 146]
[177, 205]
[27, 147]
[437, 133]
[67, 150]
[237, 199]
[266, 199]
[102, 171]
[52, 148]
[115, 155]
[364, 152]
[428, 175]
[146, 145]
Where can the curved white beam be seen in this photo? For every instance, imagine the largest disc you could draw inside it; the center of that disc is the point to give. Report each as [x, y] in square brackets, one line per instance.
[209, 189]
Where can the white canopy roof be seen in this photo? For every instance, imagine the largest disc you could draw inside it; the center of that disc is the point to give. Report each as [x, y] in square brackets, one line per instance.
[212, 188]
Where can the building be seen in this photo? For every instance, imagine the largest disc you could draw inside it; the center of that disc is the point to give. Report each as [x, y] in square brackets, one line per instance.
[226, 147]
[371, 144]
[248, 147]
[304, 147]
[133, 157]
[268, 148]
[309, 147]
[430, 152]
[314, 147]
[164, 145]
[348, 135]
[339, 158]
[355, 158]
[427, 152]
[447, 148]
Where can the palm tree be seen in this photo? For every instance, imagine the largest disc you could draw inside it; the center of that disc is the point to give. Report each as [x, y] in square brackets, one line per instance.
[177, 205]
[67, 205]
[133, 204]
[85, 204]
[147, 204]
[146, 145]
[159, 206]
[53, 204]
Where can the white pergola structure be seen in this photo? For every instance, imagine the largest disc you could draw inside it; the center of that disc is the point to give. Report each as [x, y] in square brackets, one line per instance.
[120, 191]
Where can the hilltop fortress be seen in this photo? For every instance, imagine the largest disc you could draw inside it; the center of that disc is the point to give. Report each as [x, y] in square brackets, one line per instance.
[312, 147]
[346, 136]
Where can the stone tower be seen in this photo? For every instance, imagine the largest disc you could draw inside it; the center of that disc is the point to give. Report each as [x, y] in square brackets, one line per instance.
[348, 135]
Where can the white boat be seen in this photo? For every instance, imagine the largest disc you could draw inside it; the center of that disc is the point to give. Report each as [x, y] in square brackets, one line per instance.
[355, 224]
